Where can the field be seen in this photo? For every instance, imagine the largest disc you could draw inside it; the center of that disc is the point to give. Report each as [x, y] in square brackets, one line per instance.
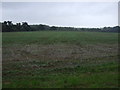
[51, 59]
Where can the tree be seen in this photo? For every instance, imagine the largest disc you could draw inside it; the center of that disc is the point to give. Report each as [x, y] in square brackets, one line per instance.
[7, 26]
[53, 28]
[25, 27]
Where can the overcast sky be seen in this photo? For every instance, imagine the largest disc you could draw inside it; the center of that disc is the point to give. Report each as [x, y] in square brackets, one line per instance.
[77, 14]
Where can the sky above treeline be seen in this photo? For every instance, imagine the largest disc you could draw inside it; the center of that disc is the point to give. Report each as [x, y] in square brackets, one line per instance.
[71, 14]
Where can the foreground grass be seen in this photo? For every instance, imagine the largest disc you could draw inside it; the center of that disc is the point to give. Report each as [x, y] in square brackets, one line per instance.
[84, 80]
[104, 75]
[60, 60]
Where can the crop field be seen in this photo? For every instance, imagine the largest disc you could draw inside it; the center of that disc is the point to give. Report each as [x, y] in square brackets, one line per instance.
[59, 59]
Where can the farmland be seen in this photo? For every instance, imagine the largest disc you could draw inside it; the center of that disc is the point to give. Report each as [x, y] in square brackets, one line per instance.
[60, 59]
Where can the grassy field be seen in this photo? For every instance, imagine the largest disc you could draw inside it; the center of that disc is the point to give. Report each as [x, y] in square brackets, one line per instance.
[50, 59]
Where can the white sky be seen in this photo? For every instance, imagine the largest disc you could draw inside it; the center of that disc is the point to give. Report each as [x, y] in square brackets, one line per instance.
[75, 14]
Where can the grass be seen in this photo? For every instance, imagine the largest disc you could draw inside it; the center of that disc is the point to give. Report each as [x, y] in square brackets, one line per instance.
[51, 37]
[85, 80]
[50, 59]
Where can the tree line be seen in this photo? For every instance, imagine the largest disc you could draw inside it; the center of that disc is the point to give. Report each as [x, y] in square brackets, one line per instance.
[8, 26]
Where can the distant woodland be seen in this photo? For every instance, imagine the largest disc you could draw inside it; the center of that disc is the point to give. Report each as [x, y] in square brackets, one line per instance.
[8, 26]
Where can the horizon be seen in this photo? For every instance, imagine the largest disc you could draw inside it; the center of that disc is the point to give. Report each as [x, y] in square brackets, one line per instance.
[56, 25]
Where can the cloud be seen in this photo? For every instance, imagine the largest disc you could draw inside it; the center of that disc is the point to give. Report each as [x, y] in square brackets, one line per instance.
[77, 14]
